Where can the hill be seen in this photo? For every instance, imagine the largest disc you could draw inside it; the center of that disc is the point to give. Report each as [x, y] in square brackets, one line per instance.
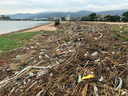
[63, 14]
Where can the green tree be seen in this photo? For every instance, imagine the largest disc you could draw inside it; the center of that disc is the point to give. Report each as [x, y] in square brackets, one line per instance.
[108, 18]
[57, 23]
[101, 19]
[62, 18]
[125, 16]
[116, 18]
[92, 16]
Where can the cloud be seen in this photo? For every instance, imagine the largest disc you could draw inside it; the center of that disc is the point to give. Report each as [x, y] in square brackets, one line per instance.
[35, 6]
[107, 7]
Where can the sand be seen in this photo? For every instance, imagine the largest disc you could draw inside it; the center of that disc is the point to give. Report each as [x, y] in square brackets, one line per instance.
[46, 27]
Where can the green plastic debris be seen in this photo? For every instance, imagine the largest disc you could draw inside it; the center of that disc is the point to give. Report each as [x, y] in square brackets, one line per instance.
[115, 47]
[68, 91]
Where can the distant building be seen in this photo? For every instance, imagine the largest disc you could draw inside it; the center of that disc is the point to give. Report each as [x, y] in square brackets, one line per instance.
[85, 17]
[75, 18]
[44, 19]
[51, 18]
[35, 19]
[67, 18]
[101, 16]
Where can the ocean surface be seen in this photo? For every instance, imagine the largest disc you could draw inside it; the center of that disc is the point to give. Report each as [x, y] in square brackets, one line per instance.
[10, 26]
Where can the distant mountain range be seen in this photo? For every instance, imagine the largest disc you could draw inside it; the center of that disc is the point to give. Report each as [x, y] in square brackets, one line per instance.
[64, 14]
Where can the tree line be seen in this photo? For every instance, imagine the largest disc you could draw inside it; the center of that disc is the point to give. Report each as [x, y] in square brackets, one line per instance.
[110, 18]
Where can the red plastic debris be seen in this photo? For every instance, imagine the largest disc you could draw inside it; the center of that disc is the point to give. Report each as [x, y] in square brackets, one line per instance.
[1, 34]
[58, 26]
[61, 52]
[3, 62]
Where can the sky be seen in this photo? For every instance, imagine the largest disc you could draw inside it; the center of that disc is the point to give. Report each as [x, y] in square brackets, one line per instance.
[36, 6]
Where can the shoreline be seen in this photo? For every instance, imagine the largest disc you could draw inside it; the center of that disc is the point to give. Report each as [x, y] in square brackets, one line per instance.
[50, 27]
[27, 29]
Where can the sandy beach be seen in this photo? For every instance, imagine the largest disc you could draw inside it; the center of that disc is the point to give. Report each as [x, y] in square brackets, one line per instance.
[45, 27]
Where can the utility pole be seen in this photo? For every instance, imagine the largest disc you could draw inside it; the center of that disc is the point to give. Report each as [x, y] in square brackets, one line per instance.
[58, 16]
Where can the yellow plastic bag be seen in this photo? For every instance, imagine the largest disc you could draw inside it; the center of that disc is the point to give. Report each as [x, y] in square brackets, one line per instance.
[89, 76]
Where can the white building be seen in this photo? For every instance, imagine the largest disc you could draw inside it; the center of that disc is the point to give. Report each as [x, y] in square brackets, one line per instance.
[67, 18]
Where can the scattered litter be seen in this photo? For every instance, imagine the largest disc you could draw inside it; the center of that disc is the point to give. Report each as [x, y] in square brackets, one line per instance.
[121, 27]
[119, 83]
[88, 63]
[42, 73]
[121, 31]
[97, 60]
[57, 49]
[31, 74]
[70, 85]
[95, 90]
[47, 56]
[39, 93]
[124, 93]
[42, 49]
[32, 47]
[17, 56]
[68, 91]
[101, 79]
[40, 57]
[79, 79]
[86, 54]
[94, 54]
[3, 62]
[95, 38]
[41, 52]
[89, 76]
